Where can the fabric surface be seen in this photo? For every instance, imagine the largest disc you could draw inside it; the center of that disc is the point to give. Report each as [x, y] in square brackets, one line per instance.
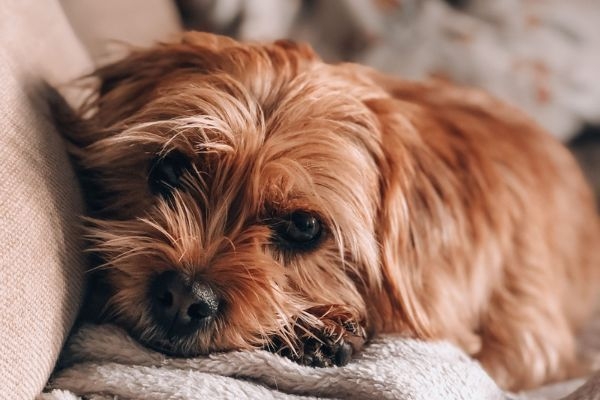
[102, 362]
[41, 274]
[103, 359]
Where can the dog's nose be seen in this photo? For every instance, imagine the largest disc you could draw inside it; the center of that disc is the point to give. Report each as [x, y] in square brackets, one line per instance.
[181, 306]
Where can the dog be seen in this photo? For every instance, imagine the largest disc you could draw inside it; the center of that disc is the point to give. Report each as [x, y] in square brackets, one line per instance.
[247, 196]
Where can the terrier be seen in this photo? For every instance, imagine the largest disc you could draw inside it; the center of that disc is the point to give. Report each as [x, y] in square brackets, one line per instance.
[252, 196]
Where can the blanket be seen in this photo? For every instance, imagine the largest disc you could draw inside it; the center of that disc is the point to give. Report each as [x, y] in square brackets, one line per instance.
[103, 362]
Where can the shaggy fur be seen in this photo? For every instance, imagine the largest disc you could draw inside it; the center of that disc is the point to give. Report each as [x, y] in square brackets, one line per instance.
[445, 214]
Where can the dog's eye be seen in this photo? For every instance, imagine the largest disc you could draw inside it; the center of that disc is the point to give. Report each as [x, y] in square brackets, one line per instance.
[299, 229]
[165, 173]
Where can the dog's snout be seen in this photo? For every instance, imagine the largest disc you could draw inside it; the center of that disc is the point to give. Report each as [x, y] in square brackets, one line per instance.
[180, 306]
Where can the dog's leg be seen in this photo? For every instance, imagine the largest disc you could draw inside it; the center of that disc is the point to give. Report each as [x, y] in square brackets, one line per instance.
[526, 338]
[338, 335]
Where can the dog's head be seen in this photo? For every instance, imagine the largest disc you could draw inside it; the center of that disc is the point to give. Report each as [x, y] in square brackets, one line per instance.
[233, 186]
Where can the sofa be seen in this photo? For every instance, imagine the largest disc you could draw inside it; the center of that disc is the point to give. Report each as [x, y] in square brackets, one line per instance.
[42, 276]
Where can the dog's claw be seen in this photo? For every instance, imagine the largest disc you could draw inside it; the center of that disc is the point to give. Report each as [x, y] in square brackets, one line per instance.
[343, 354]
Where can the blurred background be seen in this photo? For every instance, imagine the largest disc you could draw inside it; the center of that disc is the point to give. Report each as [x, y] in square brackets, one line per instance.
[542, 55]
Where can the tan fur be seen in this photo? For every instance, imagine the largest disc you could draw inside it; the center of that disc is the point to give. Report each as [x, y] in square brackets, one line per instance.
[449, 215]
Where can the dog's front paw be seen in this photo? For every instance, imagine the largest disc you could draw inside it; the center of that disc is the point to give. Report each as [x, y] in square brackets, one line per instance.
[333, 342]
[325, 351]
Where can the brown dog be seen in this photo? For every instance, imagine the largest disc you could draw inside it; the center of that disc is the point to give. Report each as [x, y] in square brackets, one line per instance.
[247, 195]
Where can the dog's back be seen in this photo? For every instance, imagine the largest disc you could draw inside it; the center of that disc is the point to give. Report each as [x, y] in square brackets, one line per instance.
[504, 230]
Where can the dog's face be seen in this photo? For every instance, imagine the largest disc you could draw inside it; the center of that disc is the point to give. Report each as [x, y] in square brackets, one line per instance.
[235, 187]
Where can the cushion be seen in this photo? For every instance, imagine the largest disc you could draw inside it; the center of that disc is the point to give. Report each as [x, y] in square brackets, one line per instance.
[41, 263]
[106, 27]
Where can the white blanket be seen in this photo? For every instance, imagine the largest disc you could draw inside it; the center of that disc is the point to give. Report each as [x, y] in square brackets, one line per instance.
[102, 362]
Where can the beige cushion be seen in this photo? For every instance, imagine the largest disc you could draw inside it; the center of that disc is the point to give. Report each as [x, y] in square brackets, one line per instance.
[41, 266]
[106, 27]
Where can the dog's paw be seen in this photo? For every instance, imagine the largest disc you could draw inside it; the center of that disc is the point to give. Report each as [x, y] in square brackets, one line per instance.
[333, 343]
[325, 351]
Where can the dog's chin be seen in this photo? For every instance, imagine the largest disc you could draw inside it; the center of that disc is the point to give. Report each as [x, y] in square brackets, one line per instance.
[181, 345]
[169, 347]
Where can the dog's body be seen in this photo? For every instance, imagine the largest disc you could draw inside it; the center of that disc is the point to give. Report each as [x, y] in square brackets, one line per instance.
[274, 199]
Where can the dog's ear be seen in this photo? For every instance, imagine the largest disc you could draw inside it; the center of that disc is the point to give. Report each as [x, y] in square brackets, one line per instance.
[125, 86]
[398, 230]
[428, 213]
[419, 193]
[120, 88]
[128, 84]
[137, 74]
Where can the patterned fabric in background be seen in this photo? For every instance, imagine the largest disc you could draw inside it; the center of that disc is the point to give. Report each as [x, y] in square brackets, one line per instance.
[542, 55]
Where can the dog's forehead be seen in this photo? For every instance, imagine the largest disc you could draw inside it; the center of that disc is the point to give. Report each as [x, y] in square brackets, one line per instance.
[309, 136]
[305, 125]
[289, 161]
[313, 118]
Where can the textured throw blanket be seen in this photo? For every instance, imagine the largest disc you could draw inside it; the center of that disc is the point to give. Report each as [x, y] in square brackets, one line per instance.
[102, 362]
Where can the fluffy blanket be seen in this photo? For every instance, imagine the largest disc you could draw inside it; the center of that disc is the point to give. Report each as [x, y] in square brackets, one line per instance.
[102, 362]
